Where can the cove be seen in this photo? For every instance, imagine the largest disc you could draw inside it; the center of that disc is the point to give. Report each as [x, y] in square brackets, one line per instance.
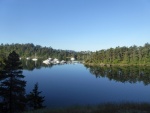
[76, 84]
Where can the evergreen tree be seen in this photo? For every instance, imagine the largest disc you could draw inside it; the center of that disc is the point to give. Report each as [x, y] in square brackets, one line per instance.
[35, 101]
[12, 87]
[133, 55]
[29, 50]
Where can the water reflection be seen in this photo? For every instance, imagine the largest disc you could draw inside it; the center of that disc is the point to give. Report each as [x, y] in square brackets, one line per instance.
[31, 65]
[74, 84]
[131, 74]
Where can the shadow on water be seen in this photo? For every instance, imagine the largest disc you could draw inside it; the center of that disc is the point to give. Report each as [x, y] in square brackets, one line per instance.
[131, 74]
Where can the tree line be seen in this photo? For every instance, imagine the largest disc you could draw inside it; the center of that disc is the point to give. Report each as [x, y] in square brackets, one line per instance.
[121, 55]
[13, 98]
[29, 50]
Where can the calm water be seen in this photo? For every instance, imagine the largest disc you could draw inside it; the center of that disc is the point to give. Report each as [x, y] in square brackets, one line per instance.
[75, 84]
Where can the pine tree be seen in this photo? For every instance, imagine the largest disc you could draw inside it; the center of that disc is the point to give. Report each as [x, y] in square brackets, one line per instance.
[12, 87]
[35, 101]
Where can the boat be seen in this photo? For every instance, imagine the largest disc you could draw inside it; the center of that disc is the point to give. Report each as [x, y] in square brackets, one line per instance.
[56, 61]
[72, 58]
[35, 59]
[28, 58]
[47, 61]
[62, 62]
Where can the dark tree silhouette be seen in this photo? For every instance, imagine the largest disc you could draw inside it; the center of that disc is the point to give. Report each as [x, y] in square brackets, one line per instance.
[35, 101]
[12, 87]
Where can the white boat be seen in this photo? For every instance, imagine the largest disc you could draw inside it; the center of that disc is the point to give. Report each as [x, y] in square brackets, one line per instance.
[28, 58]
[35, 59]
[62, 62]
[47, 61]
[56, 61]
[72, 58]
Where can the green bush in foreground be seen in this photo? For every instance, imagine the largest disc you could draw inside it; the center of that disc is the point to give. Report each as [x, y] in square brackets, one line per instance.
[103, 108]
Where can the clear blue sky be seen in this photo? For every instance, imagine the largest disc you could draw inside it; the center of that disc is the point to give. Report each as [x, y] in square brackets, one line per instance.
[75, 24]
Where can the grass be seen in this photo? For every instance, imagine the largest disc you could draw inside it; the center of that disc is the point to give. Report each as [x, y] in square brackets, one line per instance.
[102, 108]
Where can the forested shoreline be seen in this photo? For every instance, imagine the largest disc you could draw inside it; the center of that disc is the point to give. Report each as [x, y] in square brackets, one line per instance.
[134, 55]
[30, 50]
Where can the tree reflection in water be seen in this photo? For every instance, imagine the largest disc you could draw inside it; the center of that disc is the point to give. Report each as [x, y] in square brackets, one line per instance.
[131, 74]
[31, 65]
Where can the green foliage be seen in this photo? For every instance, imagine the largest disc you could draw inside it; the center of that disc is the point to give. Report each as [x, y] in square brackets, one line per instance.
[121, 55]
[35, 101]
[2, 59]
[29, 50]
[12, 87]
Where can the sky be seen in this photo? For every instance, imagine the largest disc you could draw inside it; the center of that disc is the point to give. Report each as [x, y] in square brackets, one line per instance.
[79, 25]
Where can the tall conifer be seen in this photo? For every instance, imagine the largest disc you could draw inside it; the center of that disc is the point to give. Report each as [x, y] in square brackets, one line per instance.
[12, 88]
